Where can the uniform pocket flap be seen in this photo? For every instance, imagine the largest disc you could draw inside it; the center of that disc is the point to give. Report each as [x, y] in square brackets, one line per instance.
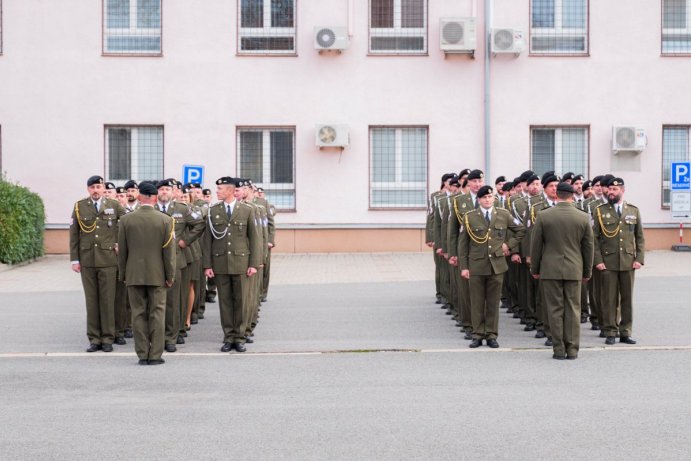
[241, 252]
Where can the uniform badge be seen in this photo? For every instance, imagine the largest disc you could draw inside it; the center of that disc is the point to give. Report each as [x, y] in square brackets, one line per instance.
[463, 206]
[196, 215]
[177, 215]
[608, 215]
[217, 216]
[109, 211]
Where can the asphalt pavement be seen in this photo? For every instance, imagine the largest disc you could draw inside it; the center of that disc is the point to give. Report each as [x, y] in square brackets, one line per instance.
[352, 360]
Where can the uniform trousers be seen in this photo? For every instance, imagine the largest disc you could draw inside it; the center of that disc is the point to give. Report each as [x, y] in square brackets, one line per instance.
[617, 290]
[185, 279]
[267, 276]
[99, 292]
[231, 288]
[527, 287]
[123, 312]
[485, 291]
[172, 312]
[437, 272]
[148, 312]
[464, 301]
[562, 299]
[595, 295]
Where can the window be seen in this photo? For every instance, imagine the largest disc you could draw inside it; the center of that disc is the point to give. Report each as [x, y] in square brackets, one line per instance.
[559, 149]
[266, 27]
[675, 148]
[398, 27]
[134, 152]
[398, 167]
[132, 27]
[267, 157]
[676, 27]
[559, 27]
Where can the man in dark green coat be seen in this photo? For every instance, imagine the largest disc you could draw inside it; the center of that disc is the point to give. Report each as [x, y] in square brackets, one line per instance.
[562, 259]
[147, 265]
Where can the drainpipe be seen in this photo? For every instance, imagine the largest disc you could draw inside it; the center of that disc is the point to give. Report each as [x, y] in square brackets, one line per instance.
[487, 90]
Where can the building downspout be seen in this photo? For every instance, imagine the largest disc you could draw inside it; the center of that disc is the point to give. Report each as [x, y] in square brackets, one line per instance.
[487, 88]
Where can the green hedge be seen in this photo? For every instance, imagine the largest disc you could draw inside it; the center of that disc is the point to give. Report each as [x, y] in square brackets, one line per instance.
[22, 218]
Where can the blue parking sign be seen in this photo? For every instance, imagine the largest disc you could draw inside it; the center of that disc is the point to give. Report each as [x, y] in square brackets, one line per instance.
[681, 175]
[193, 174]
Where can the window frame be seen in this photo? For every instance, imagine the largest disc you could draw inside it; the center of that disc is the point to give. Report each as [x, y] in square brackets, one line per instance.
[558, 146]
[668, 183]
[685, 31]
[133, 14]
[266, 32]
[559, 31]
[266, 166]
[402, 31]
[130, 126]
[399, 150]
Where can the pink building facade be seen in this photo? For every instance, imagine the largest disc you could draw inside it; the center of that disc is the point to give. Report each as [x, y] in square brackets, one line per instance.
[140, 88]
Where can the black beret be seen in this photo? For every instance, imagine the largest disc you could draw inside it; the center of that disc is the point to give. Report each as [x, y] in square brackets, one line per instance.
[500, 179]
[194, 185]
[464, 172]
[532, 178]
[528, 173]
[587, 184]
[94, 180]
[110, 185]
[568, 175]
[484, 190]
[508, 185]
[546, 174]
[447, 176]
[525, 175]
[146, 188]
[454, 182]
[565, 187]
[578, 177]
[475, 174]
[516, 181]
[131, 184]
[162, 183]
[596, 180]
[225, 180]
[186, 189]
[549, 179]
[616, 182]
[604, 182]
[176, 183]
[119, 190]
[260, 189]
[206, 191]
[239, 182]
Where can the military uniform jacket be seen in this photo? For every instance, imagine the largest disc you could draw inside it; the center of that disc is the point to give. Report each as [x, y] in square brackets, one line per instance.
[270, 213]
[437, 225]
[429, 223]
[535, 205]
[445, 216]
[94, 236]
[460, 205]
[480, 244]
[232, 243]
[562, 244]
[619, 241]
[147, 248]
[189, 227]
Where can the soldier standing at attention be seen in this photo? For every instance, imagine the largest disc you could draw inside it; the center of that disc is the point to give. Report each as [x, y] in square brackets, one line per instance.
[93, 253]
[110, 191]
[490, 235]
[147, 265]
[271, 227]
[132, 192]
[234, 253]
[562, 258]
[619, 252]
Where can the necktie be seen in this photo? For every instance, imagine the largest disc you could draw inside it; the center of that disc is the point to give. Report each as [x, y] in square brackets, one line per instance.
[96, 205]
[164, 208]
[228, 210]
[487, 216]
[619, 211]
[476, 202]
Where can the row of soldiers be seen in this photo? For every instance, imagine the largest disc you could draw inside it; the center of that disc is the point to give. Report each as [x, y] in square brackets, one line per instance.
[501, 250]
[94, 248]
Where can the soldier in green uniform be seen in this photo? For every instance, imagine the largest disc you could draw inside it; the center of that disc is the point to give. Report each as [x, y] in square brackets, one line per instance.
[188, 228]
[147, 266]
[595, 283]
[110, 191]
[561, 258]
[200, 303]
[430, 233]
[439, 229]
[233, 256]
[132, 192]
[490, 234]
[210, 283]
[529, 286]
[619, 252]
[93, 253]
[271, 228]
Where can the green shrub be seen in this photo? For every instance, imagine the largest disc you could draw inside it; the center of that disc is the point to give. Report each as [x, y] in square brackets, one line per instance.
[22, 221]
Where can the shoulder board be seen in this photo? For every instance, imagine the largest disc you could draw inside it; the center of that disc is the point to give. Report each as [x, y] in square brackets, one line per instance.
[601, 204]
[245, 204]
[630, 204]
[502, 210]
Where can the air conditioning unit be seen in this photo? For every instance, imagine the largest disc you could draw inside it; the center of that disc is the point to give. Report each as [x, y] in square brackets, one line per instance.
[328, 135]
[331, 38]
[627, 138]
[457, 34]
[507, 41]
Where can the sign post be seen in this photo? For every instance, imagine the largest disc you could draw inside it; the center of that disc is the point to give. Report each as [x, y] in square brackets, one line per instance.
[680, 198]
[193, 174]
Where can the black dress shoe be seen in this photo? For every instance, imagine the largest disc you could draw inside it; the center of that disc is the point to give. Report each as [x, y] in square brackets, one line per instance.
[171, 348]
[180, 340]
[157, 362]
[200, 316]
[128, 333]
[226, 347]
[468, 336]
[523, 322]
[492, 343]
[143, 362]
[610, 340]
[183, 333]
[239, 347]
[549, 342]
[210, 299]
[516, 314]
[438, 301]
[571, 357]
[120, 341]
[107, 347]
[93, 348]
[558, 357]
[511, 310]
[475, 343]
[449, 312]
[248, 339]
[602, 334]
[194, 321]
[263, 299]
[529, 327]
[595, 327]
[540, 334]
[584, 319]
[627, 340]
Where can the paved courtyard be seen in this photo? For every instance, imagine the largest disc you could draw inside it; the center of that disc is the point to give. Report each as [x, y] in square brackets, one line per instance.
[352, 360]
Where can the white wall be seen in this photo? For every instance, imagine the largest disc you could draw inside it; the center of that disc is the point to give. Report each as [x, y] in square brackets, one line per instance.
[57, 92]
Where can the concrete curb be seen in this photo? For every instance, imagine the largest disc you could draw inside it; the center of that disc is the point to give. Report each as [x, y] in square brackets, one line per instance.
[8, 267]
